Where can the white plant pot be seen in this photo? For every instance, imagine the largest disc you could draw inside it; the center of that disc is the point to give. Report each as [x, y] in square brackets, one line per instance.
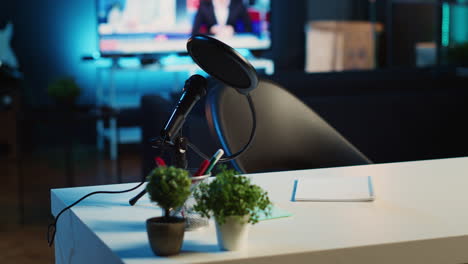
[232, 235]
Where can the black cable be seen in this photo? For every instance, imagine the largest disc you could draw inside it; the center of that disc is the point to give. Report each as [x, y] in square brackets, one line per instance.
[238, 153]
[53, 226]
[162, 146]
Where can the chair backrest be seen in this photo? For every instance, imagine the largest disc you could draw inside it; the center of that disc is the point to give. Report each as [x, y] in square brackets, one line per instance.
[289, 136]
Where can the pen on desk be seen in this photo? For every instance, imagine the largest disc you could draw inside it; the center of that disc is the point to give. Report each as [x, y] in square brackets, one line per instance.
[201, 170]
[160, 162]
[214, 160]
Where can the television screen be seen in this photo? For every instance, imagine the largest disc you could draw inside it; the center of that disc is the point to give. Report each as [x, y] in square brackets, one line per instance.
[163, 26]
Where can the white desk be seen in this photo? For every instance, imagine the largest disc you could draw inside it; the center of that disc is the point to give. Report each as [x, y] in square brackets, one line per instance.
[420, 215]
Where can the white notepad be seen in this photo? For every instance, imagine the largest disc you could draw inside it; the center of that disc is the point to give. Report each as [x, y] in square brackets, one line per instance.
[334, 189]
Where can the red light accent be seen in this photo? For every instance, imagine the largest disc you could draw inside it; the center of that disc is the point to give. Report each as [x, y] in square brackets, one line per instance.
[108, 44]
[254, 15]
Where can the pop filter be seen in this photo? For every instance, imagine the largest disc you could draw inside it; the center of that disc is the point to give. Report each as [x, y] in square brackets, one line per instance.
[223, 62]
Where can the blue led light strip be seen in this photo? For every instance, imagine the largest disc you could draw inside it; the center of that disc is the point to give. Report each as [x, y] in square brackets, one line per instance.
[445, 24]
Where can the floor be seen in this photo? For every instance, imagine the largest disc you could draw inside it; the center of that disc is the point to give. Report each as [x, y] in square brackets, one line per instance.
[23, 234]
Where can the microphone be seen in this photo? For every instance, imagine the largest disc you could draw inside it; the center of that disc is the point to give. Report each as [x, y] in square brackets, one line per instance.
[225, 64]
[194, 89]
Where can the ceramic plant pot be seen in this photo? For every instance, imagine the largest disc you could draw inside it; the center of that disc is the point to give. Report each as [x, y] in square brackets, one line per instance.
[233, 235]
[165, 235]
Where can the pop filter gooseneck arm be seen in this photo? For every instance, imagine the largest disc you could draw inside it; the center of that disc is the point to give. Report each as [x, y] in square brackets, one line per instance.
[227, 65]
[244, 148]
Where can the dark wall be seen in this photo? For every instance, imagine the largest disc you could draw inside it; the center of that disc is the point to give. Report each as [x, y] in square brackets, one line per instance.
[412, 23]
[338, 10]
[48, 40]
[288, 18]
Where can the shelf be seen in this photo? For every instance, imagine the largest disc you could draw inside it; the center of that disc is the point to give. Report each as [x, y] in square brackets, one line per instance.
[126, 135]
[121, 101]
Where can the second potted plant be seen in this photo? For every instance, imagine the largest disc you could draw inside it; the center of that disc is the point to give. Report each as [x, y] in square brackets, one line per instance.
[169, 187]
[234, 202]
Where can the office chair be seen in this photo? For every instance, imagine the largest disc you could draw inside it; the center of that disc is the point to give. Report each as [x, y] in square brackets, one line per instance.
[290, 135]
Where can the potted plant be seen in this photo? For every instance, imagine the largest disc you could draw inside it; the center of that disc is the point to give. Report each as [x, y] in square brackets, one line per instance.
[64, 91]
[234, 202]
[169, 187]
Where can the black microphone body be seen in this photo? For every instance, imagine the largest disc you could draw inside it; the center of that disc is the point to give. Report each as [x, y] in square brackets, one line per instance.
[194, 89]
[225, 64]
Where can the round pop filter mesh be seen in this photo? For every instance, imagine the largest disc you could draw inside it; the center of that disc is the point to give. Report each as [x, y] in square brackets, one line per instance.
[222, 62]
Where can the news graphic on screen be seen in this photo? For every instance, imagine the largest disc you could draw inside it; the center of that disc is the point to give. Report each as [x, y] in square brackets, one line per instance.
[163, 26]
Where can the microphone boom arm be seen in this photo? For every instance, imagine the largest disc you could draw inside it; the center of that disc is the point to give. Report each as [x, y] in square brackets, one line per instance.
[194, 89]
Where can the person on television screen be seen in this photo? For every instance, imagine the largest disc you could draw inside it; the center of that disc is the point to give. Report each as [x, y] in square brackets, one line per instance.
[222, 18]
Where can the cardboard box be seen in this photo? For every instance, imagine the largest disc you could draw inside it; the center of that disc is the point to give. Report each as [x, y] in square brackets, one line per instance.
[340, 45]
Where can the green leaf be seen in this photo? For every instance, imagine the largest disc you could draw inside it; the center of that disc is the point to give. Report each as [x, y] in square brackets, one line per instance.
[169, 187]
[231, 194]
